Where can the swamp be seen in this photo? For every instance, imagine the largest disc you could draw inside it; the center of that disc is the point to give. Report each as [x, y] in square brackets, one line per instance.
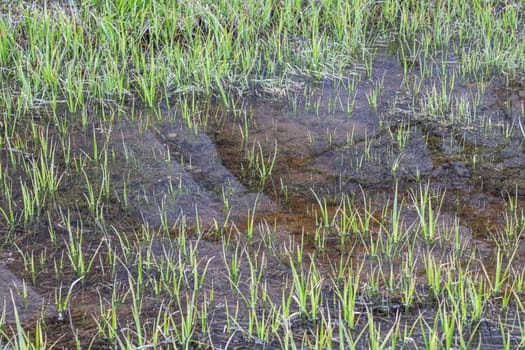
[262, 174]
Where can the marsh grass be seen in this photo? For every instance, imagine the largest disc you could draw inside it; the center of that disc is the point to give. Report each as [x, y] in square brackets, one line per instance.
[460, 296]
[82, 68]
[138, 49]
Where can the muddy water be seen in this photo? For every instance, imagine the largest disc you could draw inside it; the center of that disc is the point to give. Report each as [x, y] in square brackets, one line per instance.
[328, 138]
[167, 175]
[19, 299]
[324, 150]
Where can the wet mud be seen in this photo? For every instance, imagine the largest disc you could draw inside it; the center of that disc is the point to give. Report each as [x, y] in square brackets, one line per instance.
[273, 163]
[20, 300]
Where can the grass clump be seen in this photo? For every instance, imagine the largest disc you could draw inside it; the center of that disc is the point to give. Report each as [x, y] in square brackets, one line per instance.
[109, 51]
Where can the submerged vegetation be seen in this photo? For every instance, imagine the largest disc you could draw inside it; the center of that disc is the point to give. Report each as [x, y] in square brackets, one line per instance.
[262, 174]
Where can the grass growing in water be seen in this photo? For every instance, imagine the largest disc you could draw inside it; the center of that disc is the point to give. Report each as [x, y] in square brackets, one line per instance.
[75, 71]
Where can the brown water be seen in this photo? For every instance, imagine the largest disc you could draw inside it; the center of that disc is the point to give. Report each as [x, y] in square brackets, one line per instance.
[328, 144]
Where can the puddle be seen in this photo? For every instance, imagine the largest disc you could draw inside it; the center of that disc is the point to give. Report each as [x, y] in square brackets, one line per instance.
[328, 151]
[169, 174]
[20, 300]
[268, 167]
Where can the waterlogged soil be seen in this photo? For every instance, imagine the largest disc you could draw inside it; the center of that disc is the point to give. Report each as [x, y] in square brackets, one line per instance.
[19, 299]
[266, 166]
[171, 174]
[323, 151]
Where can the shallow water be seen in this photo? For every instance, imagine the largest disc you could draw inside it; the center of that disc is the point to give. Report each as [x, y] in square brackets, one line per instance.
[324, 144]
